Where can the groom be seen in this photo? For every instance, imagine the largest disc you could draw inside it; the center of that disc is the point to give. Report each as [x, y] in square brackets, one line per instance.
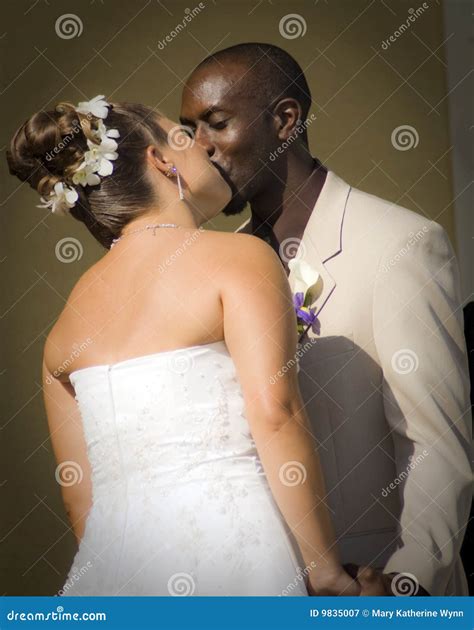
[383, 370]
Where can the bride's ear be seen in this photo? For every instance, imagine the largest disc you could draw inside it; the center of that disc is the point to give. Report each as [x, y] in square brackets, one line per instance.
[156, 160]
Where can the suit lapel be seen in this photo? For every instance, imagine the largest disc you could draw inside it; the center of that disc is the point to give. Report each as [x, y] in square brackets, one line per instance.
[322, 237]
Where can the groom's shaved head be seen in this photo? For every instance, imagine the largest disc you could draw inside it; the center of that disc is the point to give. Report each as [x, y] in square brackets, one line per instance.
[243, 102]
[272, 74]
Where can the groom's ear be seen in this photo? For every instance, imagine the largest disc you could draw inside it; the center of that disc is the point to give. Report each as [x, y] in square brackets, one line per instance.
[287, 114]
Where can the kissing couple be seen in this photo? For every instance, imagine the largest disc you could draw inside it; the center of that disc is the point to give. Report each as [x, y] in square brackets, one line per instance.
[280, 410]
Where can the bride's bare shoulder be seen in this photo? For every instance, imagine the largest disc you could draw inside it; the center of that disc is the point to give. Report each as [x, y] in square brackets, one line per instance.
[246, 251]
[240, 243]
[71, 320]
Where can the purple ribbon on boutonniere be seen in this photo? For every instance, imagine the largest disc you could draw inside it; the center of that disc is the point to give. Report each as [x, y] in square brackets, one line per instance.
[305, 278]
[305, 315]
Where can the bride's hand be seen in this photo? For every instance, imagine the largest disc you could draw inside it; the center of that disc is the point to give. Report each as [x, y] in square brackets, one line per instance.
[336, 582]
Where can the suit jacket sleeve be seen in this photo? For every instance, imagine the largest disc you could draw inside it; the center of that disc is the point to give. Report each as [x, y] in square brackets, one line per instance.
[418, 329]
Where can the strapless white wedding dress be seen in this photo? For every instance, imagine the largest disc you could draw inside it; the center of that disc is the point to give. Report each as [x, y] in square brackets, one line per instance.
[181, 503]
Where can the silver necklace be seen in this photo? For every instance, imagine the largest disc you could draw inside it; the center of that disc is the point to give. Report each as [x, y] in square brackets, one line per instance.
[147, 227]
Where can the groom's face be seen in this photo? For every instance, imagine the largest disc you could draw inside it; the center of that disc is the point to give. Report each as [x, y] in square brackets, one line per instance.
[223, 107]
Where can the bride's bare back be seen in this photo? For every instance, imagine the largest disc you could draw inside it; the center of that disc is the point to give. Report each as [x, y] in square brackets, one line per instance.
[148, 294]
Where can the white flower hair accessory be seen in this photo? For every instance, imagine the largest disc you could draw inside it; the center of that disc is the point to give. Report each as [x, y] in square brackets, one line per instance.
[97, 161]
[96, 106]
[61, 198]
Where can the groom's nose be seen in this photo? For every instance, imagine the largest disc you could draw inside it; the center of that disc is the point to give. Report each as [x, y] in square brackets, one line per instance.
[202, 138]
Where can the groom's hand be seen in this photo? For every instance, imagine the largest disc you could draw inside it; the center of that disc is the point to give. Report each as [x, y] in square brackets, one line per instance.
[375, 582]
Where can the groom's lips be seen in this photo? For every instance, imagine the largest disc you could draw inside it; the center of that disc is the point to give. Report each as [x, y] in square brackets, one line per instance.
[225, 177]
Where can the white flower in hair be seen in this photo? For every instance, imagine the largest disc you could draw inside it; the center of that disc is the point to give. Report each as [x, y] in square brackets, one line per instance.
[96, 106]
[61, 198]
[97, 160]
[100, 156]
[85, 175]
[103, 132]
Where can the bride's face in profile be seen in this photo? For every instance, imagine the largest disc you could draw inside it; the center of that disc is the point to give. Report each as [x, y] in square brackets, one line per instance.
[204, 188]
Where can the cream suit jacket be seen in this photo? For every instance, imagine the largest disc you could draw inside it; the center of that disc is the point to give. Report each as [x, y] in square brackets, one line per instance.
[385, 384]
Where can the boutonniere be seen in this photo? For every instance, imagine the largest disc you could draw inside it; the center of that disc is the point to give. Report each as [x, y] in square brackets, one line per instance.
[305, 292]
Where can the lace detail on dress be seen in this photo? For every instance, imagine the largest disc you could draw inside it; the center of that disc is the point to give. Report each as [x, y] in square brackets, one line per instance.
[178, 487]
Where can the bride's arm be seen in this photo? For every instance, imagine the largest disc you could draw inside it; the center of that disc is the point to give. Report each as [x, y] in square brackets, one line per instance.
[260, 332]
[67, 438]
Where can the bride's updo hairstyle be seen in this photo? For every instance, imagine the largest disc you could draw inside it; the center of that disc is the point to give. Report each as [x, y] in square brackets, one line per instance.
[49, 147]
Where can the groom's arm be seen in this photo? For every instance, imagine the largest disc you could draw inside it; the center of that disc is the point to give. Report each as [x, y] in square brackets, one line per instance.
[418, 328]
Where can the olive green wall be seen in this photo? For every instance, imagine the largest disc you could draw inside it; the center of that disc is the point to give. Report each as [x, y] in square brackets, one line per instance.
[363, 90]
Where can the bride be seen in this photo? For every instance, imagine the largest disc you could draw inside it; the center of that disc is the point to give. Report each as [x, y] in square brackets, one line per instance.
[194, 469]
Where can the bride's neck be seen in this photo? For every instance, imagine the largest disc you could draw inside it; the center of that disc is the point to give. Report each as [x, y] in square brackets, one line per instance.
[178, 213]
